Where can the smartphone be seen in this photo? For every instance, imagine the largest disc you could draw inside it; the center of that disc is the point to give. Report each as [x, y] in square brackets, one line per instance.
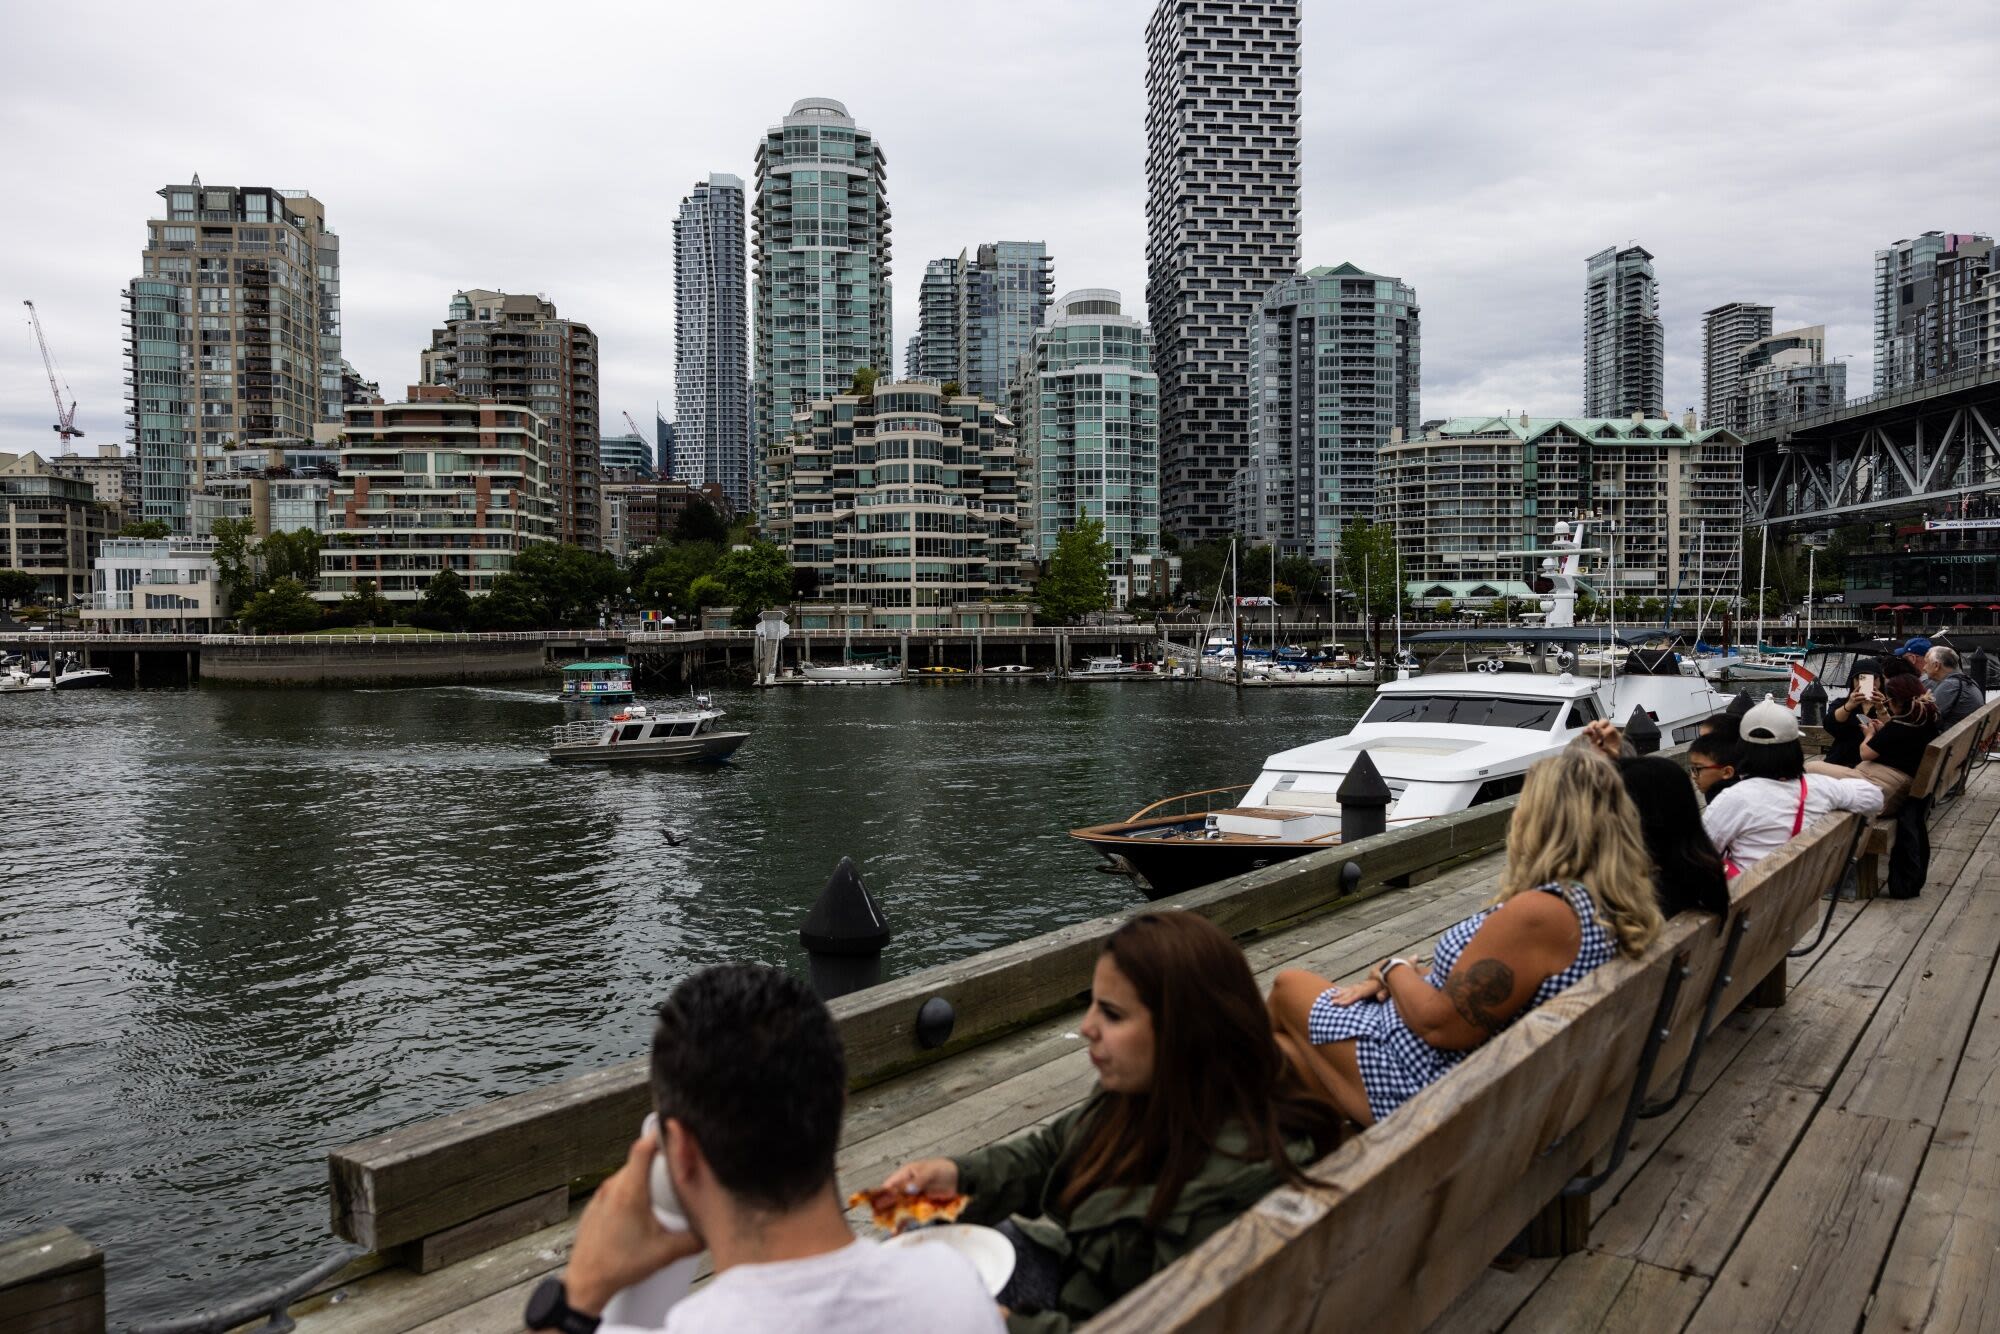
[1864, 685]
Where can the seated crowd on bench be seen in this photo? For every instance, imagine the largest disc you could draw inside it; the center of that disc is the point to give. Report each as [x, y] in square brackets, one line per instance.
[1208, 1094]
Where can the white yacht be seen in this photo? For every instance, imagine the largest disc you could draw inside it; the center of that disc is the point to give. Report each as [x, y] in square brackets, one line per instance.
[1114, 669]
[1488, 703]
[14, 679]
[853, 673]
[635, 733]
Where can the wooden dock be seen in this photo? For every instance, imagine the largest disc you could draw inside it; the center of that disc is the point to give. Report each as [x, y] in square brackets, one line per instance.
[1833, 1165]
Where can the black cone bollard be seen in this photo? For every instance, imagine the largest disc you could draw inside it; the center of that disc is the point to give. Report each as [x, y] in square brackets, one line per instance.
[1812, 705]
[1364, 800]
[844, 935]
[1642, 731]
[1741, 705]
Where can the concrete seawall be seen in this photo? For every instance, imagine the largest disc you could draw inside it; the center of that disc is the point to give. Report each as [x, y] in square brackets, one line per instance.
[385, 661]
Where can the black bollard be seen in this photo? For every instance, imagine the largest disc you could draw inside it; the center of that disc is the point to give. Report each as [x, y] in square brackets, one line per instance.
[1812, 705]
[1364, 800]
[1975, 667]
[844, 935]
[1741, 705]
[1642, 731]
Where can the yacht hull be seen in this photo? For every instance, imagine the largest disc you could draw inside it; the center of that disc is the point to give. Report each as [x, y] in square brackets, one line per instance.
[706, 748]
[1169, 855]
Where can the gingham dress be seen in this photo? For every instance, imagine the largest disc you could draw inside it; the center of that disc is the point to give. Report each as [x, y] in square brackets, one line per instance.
[1395, 1063]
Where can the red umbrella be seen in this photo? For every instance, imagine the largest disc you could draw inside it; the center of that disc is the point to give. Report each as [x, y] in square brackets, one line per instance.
[1928, 606]
[1961, 606]
[1899, 606]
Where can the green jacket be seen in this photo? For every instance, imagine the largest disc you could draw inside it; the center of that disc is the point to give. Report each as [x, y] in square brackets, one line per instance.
[1105, 1247]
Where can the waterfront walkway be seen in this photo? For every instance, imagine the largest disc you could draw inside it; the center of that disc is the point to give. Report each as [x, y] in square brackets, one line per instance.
[1833, 1167]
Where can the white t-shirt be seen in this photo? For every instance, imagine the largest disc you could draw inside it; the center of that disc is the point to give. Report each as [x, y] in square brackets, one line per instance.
[1754, 819]
[858, 1289]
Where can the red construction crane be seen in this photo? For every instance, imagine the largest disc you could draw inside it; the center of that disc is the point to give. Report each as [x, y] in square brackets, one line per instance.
[629, 422]
[65, 417]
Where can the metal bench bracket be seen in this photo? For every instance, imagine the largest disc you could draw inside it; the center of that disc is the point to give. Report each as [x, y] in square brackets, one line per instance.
[1649, 1056]
[1723, 976]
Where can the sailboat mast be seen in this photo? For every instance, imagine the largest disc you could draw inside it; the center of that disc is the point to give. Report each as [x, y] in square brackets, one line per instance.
[1763, 560]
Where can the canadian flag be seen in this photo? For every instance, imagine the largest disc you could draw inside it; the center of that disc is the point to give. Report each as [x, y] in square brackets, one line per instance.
[1802, 676]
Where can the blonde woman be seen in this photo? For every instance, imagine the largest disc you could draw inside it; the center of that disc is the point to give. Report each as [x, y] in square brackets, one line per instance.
[1577, 888]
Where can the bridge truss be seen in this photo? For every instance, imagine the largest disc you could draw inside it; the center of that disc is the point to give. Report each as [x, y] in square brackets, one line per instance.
[1934, 449]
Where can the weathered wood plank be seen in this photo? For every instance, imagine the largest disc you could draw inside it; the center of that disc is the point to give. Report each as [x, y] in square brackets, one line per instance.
[51, 1282]
[1943, 1270]
[483, 1234]
[1493, 1298]
[1812, 1251]
[1591, 1291]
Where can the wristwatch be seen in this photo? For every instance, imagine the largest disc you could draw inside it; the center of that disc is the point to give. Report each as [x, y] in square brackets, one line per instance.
[549, 1308]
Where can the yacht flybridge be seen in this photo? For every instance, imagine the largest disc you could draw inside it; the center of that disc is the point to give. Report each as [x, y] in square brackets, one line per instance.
[1487, 704]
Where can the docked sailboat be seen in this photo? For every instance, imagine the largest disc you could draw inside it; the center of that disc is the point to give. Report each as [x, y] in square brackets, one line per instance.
[1488, 703]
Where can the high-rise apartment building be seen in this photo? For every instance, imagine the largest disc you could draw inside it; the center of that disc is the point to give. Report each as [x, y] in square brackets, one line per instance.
[1915, 314]
[517, 349]
[821, 245]
[1624, 343]
[51, 526]
[1725, 332]
[904, 503]
[665, 445]
[1088, 407]
[233, 331]
[436, 483]
[711, 339]
[975, 316]
[1335, 370]
[1787, 375]
[1222, 229]
[913, 357]
[624, 458]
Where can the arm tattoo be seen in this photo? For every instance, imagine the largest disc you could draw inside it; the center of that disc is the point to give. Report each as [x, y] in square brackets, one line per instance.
[1479, 991]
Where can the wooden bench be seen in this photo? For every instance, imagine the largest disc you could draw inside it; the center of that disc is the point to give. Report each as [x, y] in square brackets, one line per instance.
[1940, 776]
[51, 1283]
[1403, 1218]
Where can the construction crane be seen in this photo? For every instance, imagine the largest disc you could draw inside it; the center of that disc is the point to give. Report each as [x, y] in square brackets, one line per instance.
[629, 422]
[65, 417]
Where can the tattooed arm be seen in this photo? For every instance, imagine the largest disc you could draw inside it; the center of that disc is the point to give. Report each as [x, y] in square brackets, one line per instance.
[1518, 947]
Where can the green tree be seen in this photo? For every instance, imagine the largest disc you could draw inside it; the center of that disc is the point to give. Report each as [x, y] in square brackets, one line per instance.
[1204, 565]
[293, 555]
[753, 578]
[707, 591]
[1302, 576]
[1587, 605]
[1075, 583]
[1444, 609]
[17, 586]
[281, 609]
[511, 604]
[154, 528]
[699, 521]
[445, 604]
[366, 606]
[952, 389]
[571, 584]
[864, 381]
[234, 569]
[663, 575]
[1368, 573]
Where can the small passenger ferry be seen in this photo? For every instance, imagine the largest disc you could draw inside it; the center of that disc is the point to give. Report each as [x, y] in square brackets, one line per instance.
[635, 733]
[608, 680]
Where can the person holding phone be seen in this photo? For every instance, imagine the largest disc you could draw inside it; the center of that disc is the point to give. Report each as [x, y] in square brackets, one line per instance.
[1843, 720]
[1894, 732]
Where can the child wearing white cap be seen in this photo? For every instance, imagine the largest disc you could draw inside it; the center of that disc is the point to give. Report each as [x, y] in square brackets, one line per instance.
[1776, 798]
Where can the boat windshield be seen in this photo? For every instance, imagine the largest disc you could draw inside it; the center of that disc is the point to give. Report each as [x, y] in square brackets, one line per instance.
[1535, 715]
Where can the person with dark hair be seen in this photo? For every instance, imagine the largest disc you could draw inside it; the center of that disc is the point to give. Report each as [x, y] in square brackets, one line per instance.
[1712, 763]
[1726, 726]
[1774, 799]
[1843, 717]
[1687, 870]
[1893, 737]
[1196, 1117]
[749, 1085]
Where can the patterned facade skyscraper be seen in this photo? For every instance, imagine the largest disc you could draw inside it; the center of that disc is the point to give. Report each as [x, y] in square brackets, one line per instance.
[1624, 343]
[1222, 229]
[711, 340]
[1929, 294]
[821, 244]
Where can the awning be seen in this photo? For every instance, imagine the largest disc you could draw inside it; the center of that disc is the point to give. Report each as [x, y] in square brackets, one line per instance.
[1928, 606]
[1961, 606]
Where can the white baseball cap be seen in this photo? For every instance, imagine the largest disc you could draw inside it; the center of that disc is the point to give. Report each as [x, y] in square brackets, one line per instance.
[1769, 724]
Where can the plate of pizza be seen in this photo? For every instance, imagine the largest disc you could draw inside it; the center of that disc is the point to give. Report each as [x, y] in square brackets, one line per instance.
[896, 1212]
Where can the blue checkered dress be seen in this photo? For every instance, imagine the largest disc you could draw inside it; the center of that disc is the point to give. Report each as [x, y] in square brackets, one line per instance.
[1396, 1063]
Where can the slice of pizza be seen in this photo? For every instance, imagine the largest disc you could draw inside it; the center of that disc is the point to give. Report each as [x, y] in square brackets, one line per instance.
[894, 1211]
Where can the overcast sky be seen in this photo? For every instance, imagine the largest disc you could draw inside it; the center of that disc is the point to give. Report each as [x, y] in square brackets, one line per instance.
[1479, 150]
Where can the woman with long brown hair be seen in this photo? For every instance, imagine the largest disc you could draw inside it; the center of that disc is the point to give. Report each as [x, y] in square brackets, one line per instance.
[1195, 1118]
[1577, 889]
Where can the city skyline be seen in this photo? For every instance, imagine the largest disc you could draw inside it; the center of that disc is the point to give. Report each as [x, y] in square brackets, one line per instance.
[1488, 216]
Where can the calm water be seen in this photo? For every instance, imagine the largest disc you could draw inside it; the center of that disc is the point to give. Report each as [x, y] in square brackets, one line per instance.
[239, 927]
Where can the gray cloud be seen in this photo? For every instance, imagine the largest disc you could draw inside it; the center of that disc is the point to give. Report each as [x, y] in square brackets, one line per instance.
[1480, 151]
